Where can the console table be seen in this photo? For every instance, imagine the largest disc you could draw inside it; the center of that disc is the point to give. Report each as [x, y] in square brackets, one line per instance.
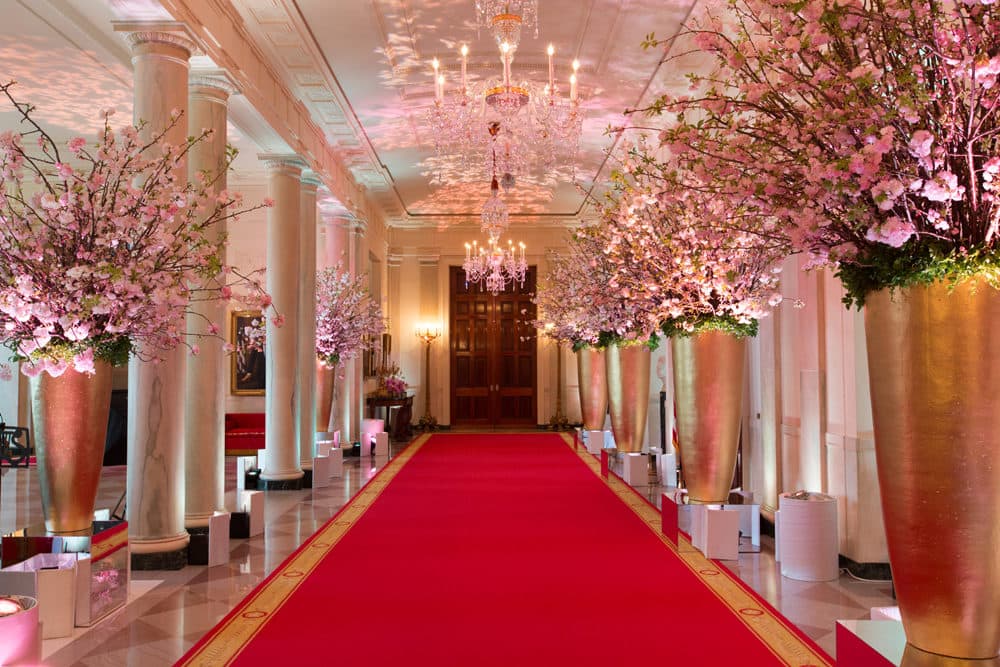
[398, 428]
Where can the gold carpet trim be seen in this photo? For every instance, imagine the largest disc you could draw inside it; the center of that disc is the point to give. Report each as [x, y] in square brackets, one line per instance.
[771, 629]
[254, 613]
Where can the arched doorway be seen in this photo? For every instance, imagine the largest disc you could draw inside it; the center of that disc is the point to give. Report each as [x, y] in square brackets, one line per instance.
[493, 354]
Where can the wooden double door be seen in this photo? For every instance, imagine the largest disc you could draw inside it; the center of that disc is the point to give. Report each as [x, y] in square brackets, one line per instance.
[493, 354]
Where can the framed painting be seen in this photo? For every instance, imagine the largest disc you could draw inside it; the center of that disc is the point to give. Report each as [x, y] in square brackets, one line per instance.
[247, 360]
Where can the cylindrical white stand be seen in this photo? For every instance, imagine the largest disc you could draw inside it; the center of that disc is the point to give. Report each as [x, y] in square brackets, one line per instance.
[22, 637]
[809, 541]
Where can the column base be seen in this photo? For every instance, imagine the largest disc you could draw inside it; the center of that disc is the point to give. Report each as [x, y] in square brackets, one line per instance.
[283, 484]
[307, 478]
[161, 560]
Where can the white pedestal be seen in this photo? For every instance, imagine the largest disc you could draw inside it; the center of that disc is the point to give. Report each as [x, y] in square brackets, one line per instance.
[336, 462]
[252, 502]
[749, 521]
[721, 532]
[635, 469]
[218, 539]
[323, 447]
[609, 439]
[53, 588]
[668, 469]
[243, 463]
[809, 542]
[321, 472]
[382, 444]
[777, 536]
[886, 614]
[696, 525]
[595, 441]
[869, 643]
[369, 427]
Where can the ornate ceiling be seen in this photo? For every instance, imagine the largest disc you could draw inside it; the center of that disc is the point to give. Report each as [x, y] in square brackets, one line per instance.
[360, 69]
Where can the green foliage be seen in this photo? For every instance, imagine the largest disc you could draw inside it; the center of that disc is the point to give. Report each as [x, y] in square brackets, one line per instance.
[683, 327]
[609, 338]
[882, 266]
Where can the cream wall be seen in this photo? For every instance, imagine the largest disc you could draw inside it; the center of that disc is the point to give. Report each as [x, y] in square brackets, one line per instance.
[808, 412]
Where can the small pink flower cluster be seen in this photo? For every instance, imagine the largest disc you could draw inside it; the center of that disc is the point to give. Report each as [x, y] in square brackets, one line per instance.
[99, 251]
[395, 385]
[348, 320]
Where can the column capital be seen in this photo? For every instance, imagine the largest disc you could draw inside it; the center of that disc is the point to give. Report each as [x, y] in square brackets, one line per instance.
[394, 259]
[276, 163]
[310, 179]
[139, 34]
[359, 226]
[211, 81]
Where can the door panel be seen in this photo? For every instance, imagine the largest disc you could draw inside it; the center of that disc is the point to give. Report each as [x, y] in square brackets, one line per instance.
[493, 354]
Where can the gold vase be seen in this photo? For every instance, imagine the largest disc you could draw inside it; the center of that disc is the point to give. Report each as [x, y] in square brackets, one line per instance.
[325, 378]
[591, 370]
[69, 415]
[628, 393]
[708, 391]
[934, 373]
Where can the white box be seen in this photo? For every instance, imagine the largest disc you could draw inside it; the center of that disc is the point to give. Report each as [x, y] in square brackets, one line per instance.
[697, 514]
[668, 469]
[321, 472]
[722, 534]
[635, 469]
[336, 462]
[382, 444]
[609, 440]
[252, 502]
[218, 539]
[52, 588]
[749, 521]
[886, 614]
[594, 440]
[369, 427]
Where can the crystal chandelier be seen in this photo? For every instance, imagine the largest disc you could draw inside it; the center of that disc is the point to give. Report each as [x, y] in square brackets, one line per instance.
[494, 217]
[495, 266]
[506, 18]
[502, 125]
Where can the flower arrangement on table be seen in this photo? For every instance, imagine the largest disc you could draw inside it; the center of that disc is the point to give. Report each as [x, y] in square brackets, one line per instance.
[101, 243]
[348, 320]
[390, 381]
[869, 130]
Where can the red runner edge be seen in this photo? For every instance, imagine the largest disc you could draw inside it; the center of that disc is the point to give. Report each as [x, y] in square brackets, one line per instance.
[496, 550]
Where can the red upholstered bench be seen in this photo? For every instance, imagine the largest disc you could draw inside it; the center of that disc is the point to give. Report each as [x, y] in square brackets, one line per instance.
[244, 433]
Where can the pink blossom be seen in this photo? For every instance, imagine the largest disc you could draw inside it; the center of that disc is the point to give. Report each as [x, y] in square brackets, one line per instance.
[84, 362]
[894, 232]
[268, 202]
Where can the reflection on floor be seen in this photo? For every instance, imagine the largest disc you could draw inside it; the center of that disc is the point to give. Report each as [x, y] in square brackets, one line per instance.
[169, 611]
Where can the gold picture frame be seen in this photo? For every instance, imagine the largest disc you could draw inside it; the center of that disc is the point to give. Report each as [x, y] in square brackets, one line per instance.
[247, 362]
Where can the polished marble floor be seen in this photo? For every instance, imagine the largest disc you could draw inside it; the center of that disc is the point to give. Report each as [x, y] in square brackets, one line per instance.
[169, 611]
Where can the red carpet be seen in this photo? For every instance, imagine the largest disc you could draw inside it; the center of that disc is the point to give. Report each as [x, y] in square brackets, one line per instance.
[499, 550]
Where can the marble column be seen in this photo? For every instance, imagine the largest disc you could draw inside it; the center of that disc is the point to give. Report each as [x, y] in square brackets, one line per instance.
[155, 478]
[281, 456]
[359, 266]
[205, 400]
[306, 405]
